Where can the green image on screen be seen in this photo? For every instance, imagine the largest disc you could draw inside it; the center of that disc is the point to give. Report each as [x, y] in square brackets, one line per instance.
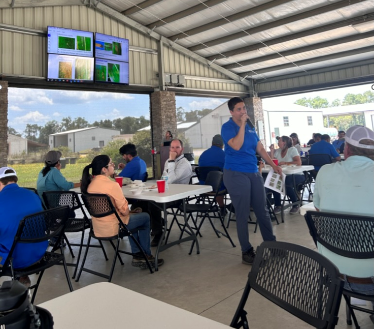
[113, 72]
[100, 73]
[66, 43]
[117, 48]
[108, 46]
[82, 69]
[83, 43]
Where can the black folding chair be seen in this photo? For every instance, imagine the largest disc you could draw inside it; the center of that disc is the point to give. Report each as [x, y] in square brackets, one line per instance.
[53, 199]
[299, 280]
[35, 228]
[214, 178]
[319, 160]
[349, 236]
[98, 206]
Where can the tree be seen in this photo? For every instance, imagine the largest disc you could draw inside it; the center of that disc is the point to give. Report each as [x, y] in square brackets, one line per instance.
[180, 114]
[352, 99]
[51, 127]
[32, 132]
[69, 124]
[143, 143]
[112, 150]
[13, 132]
[314, 103]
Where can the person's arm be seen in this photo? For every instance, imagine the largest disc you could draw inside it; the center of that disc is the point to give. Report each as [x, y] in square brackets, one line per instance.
[262, 152]
[61, 181]
[178, 171]
[237, 142]
[335, 154]
[271, 151]
[128, 171]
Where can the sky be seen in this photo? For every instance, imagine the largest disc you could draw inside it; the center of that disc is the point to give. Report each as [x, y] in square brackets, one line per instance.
[38, 106]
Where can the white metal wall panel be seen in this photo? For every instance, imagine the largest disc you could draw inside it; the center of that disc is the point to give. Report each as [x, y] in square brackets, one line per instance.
[316, 79]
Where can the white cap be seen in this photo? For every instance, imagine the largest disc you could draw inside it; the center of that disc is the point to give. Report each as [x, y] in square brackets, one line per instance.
[355, 134]
[4, 169]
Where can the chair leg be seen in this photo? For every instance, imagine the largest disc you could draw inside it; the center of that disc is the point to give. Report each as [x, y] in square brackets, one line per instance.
[67, 274]
[351, 312]
[84, 258]
[103, 249]
[114, 259]
[69, 246]
[114, 247]
[240, 318]
[79, 255]
[142, 251]
[227, 235]
[36, 287]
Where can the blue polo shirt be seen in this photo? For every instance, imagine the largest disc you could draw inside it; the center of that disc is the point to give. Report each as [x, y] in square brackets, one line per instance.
[243, 160]
[16, 203]
[323, 147]
[136, 169]
[338, 143]
[212, 157]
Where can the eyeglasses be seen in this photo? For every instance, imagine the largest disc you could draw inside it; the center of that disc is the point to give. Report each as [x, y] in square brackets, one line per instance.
[110, 164]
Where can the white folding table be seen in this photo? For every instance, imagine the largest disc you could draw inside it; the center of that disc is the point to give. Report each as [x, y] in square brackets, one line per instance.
[107, 305]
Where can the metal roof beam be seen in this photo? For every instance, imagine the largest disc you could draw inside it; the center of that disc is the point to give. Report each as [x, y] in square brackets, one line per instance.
[300, 50]
[274, 24]
[234, 17]
[140, 6]
[152, 34]
[306, 33]
[310, 61]
[184, 13]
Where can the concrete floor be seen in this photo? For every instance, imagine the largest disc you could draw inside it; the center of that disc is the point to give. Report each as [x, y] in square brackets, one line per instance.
[209, 284]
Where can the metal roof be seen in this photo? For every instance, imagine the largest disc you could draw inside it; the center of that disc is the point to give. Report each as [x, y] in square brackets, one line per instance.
[261, 39]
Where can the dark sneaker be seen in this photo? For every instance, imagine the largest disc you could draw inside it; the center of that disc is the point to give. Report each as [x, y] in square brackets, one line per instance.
[140, 262]
[294, 210]
[248, 257]
[277, 210]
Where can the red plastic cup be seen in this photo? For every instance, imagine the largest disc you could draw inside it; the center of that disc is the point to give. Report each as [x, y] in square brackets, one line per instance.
[161, 186]
[119, 180]
[275, 161]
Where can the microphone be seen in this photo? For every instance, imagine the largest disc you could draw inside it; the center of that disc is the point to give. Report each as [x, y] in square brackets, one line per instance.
[250, 124]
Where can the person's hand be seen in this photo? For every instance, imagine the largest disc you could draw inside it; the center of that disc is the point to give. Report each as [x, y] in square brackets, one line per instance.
[278, 170]
[282, 163]
[244, 118]
[271, 147]
[172, 155]
[121, 166]
[261, 166]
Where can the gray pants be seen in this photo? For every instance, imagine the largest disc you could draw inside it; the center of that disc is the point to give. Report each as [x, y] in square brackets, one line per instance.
[246, 190]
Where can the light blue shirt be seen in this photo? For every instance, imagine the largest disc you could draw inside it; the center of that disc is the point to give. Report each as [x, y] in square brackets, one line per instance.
[52, 181]
[347, 187]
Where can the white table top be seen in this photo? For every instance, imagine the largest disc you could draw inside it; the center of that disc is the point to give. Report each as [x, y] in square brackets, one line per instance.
[106, 305]
[307, 207]
[175, 192]
[288, 170]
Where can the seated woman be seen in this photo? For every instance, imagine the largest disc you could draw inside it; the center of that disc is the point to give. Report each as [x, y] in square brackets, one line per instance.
[296, 142]
[287, 155]
[138, 223]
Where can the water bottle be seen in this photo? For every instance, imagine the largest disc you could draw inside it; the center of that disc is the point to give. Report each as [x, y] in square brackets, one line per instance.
[165, 178]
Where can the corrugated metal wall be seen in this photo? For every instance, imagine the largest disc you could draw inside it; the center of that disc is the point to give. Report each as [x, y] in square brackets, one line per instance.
[316, 79]
[26, 55]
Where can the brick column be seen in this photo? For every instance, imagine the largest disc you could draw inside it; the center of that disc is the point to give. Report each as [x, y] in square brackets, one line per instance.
[163, 118]
[3, 123]
[256, 114]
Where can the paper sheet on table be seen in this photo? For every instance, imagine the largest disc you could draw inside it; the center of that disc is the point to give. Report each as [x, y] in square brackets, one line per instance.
[275, 181]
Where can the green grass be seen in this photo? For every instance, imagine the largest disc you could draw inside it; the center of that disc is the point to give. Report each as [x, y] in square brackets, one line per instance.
[28, 173]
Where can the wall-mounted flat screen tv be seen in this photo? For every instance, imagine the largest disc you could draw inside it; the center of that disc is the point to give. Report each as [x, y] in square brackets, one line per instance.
[69, 42]
[71, 69]
[110, 47]
[107, 70]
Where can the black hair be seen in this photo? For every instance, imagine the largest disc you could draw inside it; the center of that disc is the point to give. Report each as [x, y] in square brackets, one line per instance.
[97, 164]
[341, 132]
[233, 101]
[128, 149]
[287, 140]
[297, 138]
[171, 135]
[317, 135]
[8, 179]
[48, 167]
[325, 137]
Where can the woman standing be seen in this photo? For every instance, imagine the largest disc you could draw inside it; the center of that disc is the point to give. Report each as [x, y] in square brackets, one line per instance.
[102, 169]
[287, 155]
[241, 177]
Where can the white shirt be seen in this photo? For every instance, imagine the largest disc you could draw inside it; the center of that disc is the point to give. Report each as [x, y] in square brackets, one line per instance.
[178, 171]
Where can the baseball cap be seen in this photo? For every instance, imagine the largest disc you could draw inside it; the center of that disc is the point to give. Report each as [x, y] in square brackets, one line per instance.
[4, 169]
[355, 134]
[217, 140]
[52, 157]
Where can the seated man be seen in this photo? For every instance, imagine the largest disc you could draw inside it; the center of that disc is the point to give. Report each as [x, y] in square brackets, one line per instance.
[348, 187]
[339, 143]
[135, 168]
[323, 147]
[15, 204]
[179, 171]
[215, 157]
